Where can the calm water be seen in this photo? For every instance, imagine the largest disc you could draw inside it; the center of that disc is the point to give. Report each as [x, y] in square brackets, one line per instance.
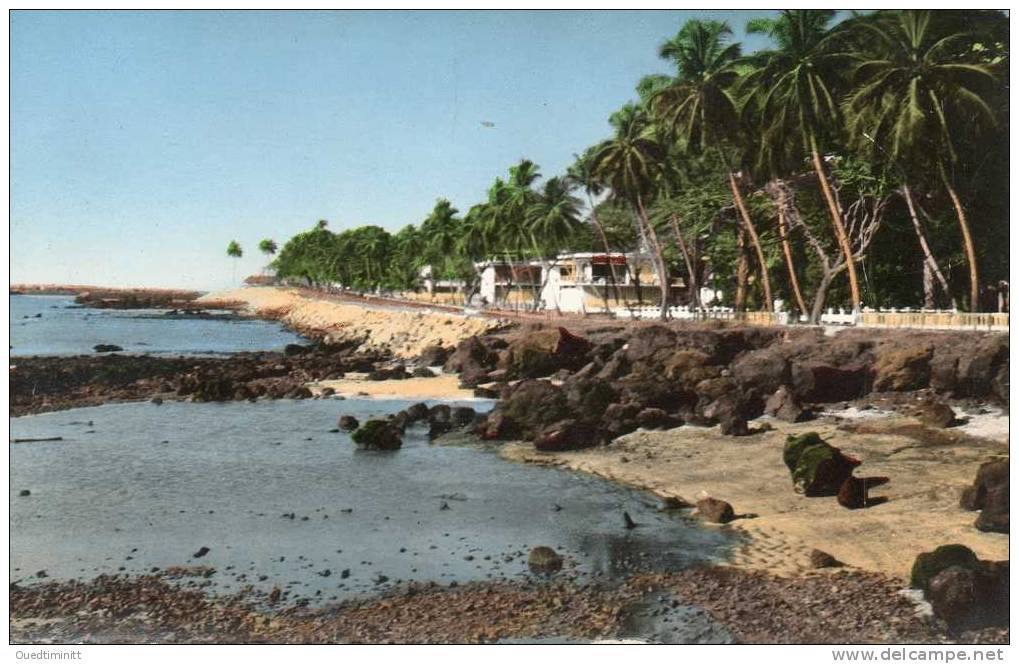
[138, 485]
[64, 329]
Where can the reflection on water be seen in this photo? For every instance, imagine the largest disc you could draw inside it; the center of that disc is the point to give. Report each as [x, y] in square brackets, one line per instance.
[53, 325]
[279, 500]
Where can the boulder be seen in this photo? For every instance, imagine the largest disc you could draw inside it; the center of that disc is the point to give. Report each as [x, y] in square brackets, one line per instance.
[730, 413]
[971, 596]
[544, 559]
[1000, 384]
[589, 395]
[784, 405]
[978, 364]
[656, 418]
[929, 564]
[471, 354]
[853, 493]
[715, 510]
[567, 435]
[821, 560]
[620, 419]
[213, 388]
[761, 372]
[462, 416]
[439, 413]
[818, 381]
[934, 414]
[544, 352]
[689, 367]
[532, 405]
[817, 468]
[422, 372]
[990, 493]
[348, 423]
[107, 348]
[901, 368]
[434, 356]
[292, 350]
[648, 348]
[377, 435]
[497, 426]
[417, 412]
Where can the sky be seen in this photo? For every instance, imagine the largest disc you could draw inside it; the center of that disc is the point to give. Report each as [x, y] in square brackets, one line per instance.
[143, 142]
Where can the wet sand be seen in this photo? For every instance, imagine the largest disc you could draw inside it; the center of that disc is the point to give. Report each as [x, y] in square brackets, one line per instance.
[921, 512]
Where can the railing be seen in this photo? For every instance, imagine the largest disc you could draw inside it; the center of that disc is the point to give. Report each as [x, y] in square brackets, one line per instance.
[933, 319]
[694, 313]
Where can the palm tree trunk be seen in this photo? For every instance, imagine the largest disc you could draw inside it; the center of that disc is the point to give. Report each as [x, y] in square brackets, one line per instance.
[827, 276]
[930, 264]
[787, 250]
[656, 247]
[737, 197]
[691, 273]
[967, 241]
[741, 271]
[608, 253]
[836, 220]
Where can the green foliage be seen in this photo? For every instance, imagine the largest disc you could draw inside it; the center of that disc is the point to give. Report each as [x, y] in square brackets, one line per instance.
[233, 250]
[886, 98]
[268, 247]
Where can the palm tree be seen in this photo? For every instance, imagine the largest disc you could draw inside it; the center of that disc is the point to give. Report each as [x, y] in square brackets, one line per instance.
[793, 90]
[700, 108]
[918, 86]
[581, 174]
[630, 163]
[233, 250]
[440, 230]
[268, 247]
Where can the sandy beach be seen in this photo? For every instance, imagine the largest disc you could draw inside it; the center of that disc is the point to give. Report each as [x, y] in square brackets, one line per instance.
[404, 332]
[921, 512]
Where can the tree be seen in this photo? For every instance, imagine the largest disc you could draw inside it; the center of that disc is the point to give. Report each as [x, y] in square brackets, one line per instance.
[233, 250]
[267, 247]
[919, 87]
[630, 163]
[794, 91]
[700, 108]
[581, 173]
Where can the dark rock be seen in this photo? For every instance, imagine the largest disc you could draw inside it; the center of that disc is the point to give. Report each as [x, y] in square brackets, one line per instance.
[567, 435]
[673, 503]
[462, 416]
[689, 367]
[589, 395]
[439, 414]
[543, 559]
[934, 414]
[299, 392]
[853, 493]
[434, 356]
[544, 352]
[377, 435]
[422, 372]
[715, 510]
[970, 597]
[530, 406]
[994, 516]
[761, 372]
[292, 350]
[730, 414]
[470, 354]
[157, 401]
[899, 368]
[784, 405]
[107, 348]
[817, 468]
[348, 423]
[820, 560]
[24, 492]
[656, 418]
[818, 381]
[497, 426]
[628, 521]
[929, 564]
[417, 412]
[201, 552]
[485, 393]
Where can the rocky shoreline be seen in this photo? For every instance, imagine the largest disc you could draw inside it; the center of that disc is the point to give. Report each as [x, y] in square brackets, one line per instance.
[729, 606]
[600, 397]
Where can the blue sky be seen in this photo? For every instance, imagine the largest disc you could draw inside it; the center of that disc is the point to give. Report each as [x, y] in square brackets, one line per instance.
[143, 142]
